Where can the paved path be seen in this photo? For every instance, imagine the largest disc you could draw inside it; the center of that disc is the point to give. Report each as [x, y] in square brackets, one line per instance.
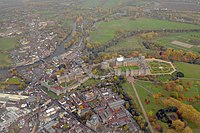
[140, 102]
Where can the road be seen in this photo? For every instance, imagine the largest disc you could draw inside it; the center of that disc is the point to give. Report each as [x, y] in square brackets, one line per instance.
[131, 80]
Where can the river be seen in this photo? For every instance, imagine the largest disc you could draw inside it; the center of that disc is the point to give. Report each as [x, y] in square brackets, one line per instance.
[60, 49]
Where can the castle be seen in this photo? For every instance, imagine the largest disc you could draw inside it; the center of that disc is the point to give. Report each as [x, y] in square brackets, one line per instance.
[125, 66]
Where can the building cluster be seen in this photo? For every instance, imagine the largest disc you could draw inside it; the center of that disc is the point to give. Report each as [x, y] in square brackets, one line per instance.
[100, 108]
[35, 37]
[18, 109]
[66, 76]
[128, 66]
[10, 115]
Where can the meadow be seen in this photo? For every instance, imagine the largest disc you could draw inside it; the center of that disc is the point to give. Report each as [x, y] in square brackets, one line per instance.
[107, 4]
[127, 44]
[189, 70]
[5, 45]
[107, 30]
[8, 43]
[192, 38]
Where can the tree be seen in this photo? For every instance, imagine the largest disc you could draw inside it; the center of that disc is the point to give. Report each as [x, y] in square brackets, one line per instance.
[65, 126]
[94, 71]
[189, 84]
[180, 74]
[187, 130]
[126, 127]
[179, 88]
[127, 105]
[188, 111]
[174, 94]
[168, 87]
[178, 125]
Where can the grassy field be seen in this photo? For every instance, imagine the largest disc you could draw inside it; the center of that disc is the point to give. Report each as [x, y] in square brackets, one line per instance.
[129, 67]
[107, 30]
[146, 95]
[104, 4]
[14, 79]
[127, 44]
[7, 43]
[189, 70]
[4, 60]
[192, 38]
[153, 106]
[107, 4]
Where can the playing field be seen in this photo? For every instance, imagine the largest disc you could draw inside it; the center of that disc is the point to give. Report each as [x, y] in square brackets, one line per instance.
[107, 30]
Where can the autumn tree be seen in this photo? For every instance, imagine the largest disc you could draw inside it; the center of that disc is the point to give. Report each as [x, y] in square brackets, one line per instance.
[127, 105]
[188, 111]
[178, 125]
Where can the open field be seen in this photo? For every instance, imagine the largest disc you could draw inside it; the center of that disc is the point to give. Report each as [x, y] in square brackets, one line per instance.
[107, 30]
[146, 95]
[4, 60]
[160, 67]
[192, 38]
[180, 6]
[107, 4]
[127, 44]
[189, 70]
[7, 43]
[182, 44]
[156, 105]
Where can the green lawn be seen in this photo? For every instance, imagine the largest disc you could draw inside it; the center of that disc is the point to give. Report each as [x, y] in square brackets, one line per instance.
[4, 60]
[127, 44]
[89, 82]
[189, 70]
[146, 95]
[5, 45]
[8, 43]
[192, 38]
[154, 89]
[50, 93]
[68, 83]
[14, 79]
[106, 30]
[129, 67]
